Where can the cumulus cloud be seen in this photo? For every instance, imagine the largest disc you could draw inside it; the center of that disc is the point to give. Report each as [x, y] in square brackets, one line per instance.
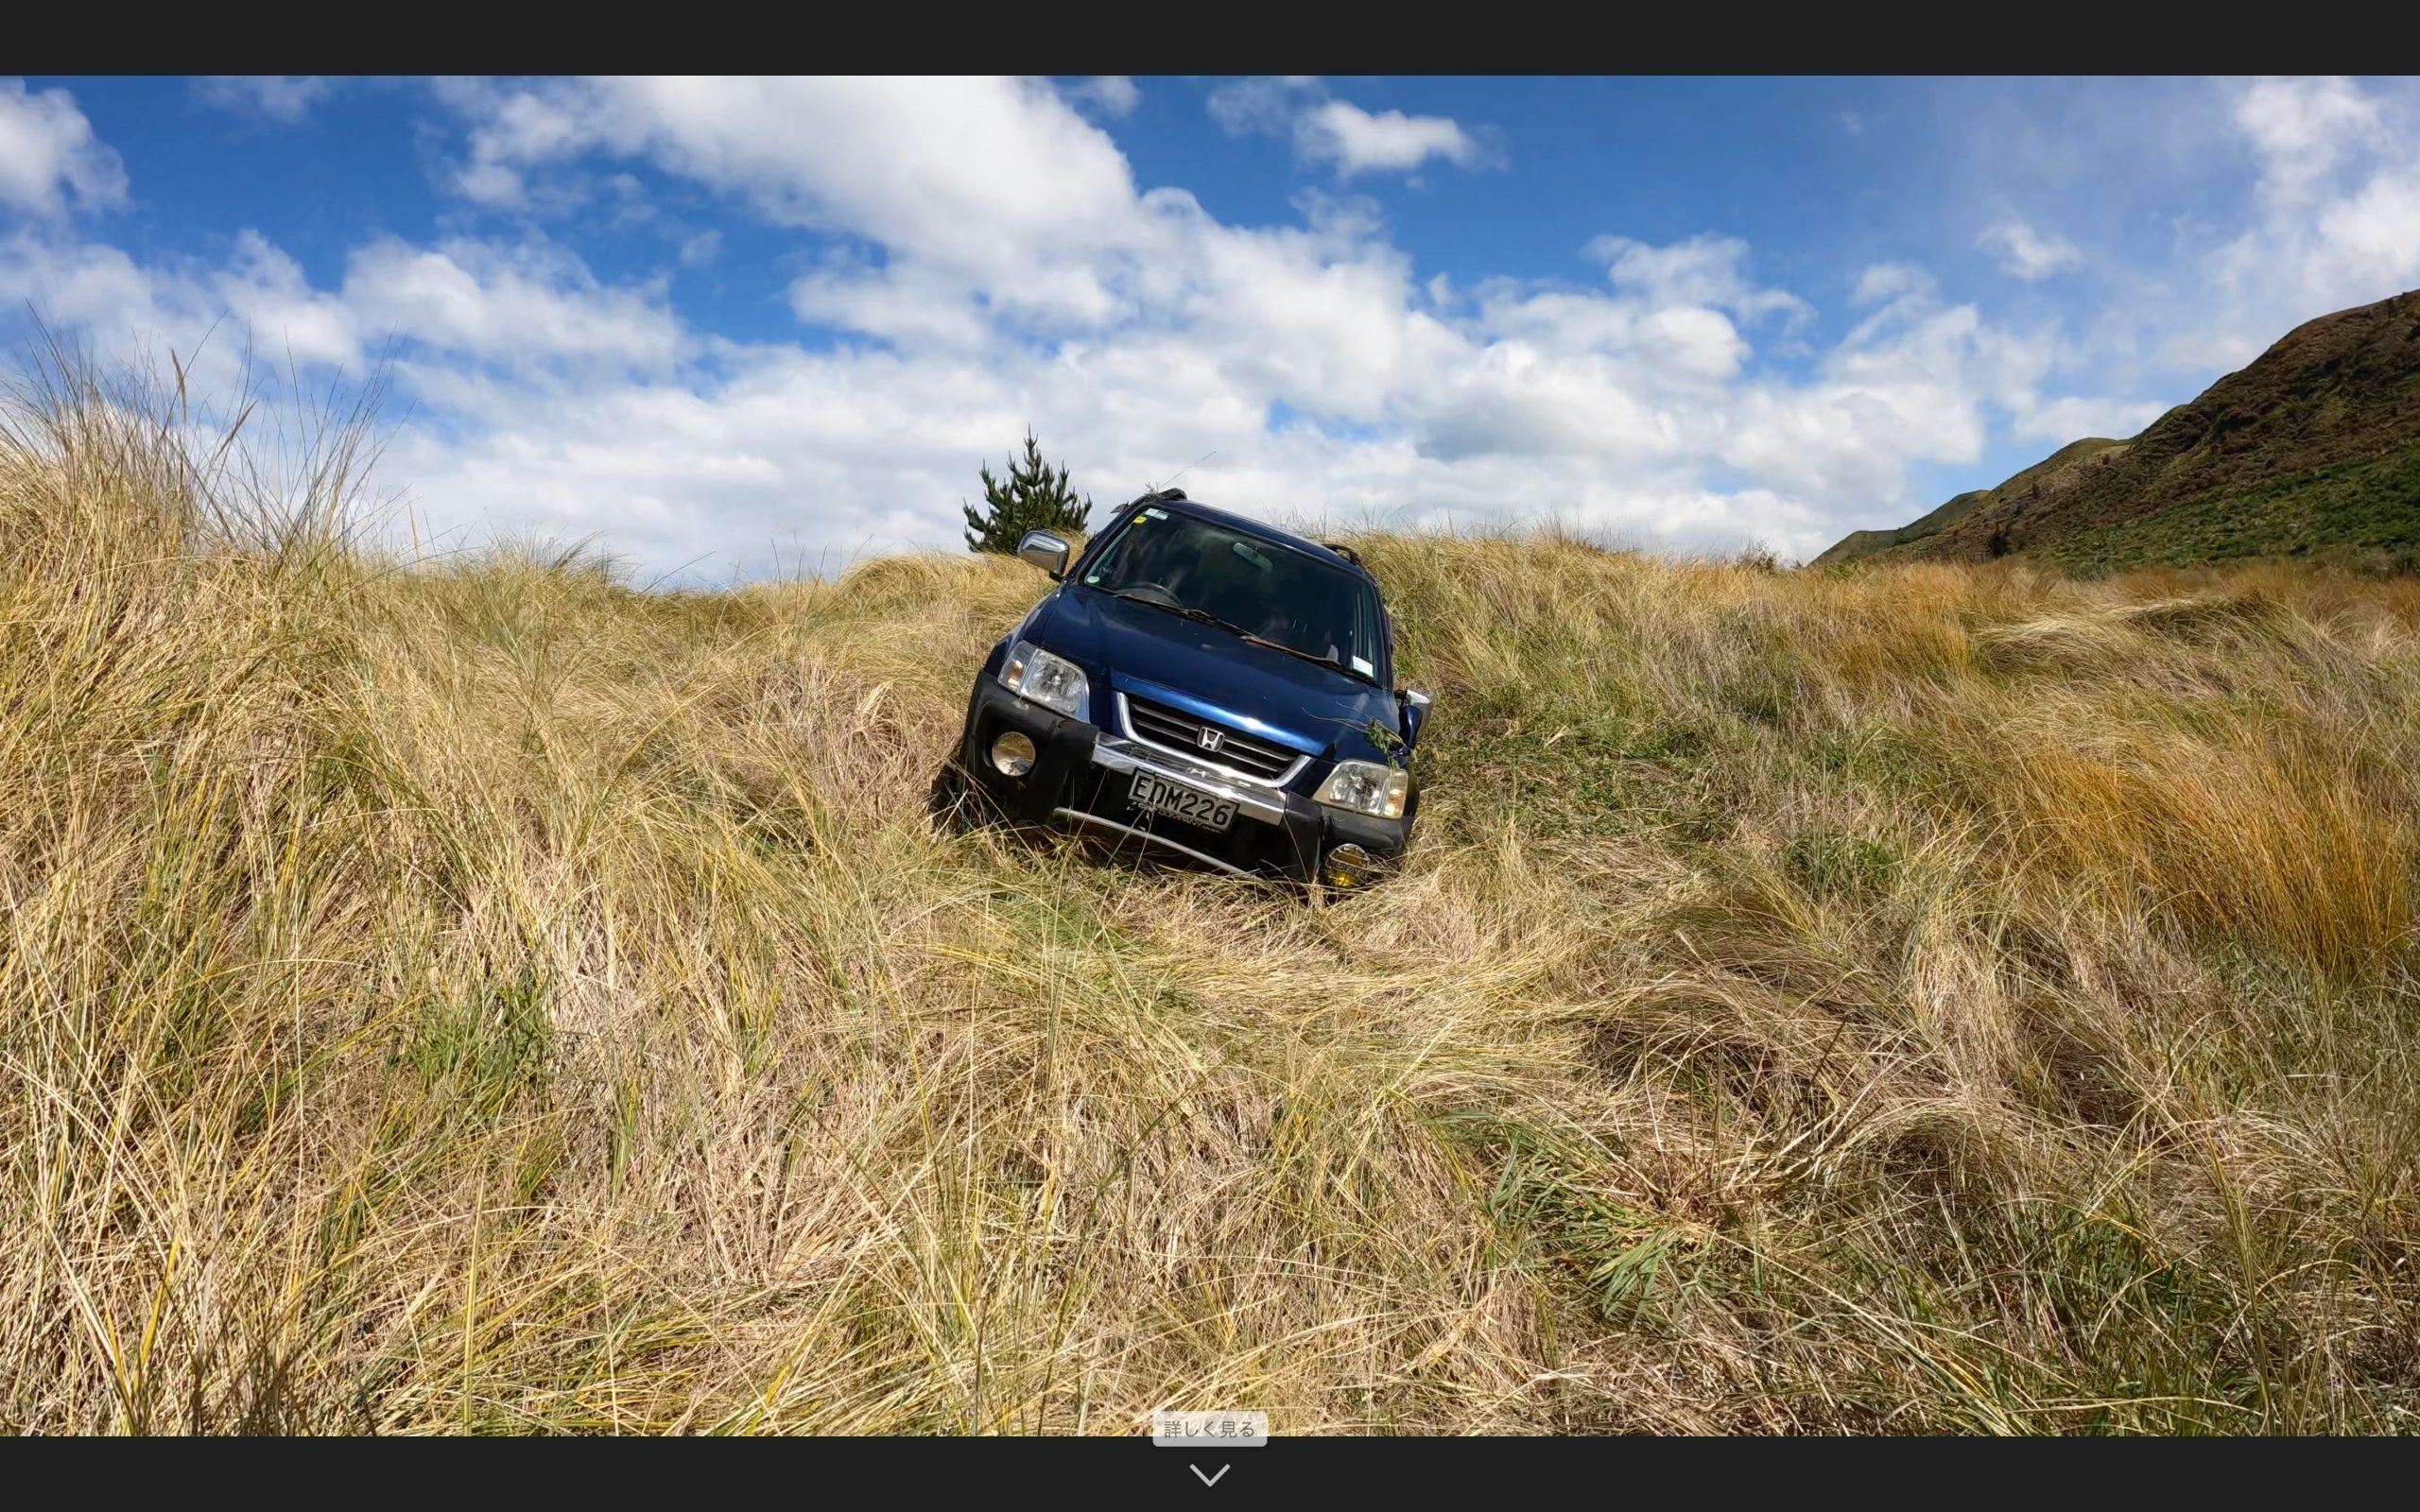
[2074, 417]
[528, 308]
[2302, 129]
[49, 155]
[1603, 407]
[1357, 142]
[1112, 95]
[273, 302]
[532, 302]
[977, 256]
[94, 288]
[286, 99]
[904, 304]
[1339, 135]
[1882, 281]
[1000, 181]
[1907, 385]
[2337, 214]
[2026, 253]
[1705, 269]
[1264, 104]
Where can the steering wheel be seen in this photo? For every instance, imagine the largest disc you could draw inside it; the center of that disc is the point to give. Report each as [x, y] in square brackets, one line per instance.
[1158, 592]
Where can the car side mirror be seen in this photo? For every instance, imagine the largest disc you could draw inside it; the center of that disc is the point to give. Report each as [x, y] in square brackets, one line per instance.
[1045, 551]
[1415, 712]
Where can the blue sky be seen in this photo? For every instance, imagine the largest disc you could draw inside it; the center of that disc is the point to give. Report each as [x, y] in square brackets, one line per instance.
[726, 326]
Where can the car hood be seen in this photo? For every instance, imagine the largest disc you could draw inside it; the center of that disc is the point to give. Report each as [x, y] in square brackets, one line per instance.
[1213, 672]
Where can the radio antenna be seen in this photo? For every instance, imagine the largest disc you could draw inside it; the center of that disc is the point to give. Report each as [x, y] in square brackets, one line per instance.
[1187, 468]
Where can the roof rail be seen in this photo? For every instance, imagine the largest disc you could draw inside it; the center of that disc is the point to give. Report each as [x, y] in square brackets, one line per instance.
[1344, 551]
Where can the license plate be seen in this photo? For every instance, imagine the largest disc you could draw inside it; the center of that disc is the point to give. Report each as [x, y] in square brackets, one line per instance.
[1178, 802]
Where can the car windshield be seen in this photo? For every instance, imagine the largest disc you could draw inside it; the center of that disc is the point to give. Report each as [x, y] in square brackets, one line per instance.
[1254, 586]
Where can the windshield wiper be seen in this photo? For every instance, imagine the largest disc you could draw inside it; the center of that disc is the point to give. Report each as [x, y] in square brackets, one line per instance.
[1312, 657]
[1207, 618]
[1190, 611]
[1187, 611]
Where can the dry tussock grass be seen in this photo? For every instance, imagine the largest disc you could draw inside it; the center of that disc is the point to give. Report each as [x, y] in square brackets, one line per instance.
[479, 996]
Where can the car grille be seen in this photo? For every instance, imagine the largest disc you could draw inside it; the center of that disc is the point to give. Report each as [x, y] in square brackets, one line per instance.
[1158, 724]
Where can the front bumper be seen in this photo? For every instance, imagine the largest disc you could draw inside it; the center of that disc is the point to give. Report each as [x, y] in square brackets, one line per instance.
[1082, 773]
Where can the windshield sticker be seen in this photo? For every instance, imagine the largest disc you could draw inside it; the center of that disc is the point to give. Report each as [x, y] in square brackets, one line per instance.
[1361, 665]
[1155, 514]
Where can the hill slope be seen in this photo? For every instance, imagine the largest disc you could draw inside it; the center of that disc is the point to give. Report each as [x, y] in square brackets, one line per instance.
[2052, 470]
[472, 995]
[2314, 447]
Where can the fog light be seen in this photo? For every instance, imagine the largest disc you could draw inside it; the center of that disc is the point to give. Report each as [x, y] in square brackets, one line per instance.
[1349, 866]
[1013, 753]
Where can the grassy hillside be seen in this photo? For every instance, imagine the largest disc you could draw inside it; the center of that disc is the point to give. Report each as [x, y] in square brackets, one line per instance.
[2307, 450]
[2052, 470]
[2364, 514]
[478, 996]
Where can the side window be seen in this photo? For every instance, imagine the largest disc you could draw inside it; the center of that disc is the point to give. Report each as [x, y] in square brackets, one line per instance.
[1097, 547]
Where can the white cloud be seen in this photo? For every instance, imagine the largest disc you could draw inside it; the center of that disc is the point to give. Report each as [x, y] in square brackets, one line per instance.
[2302, 128]
[98, 289]
[701, 249]
[999, 184]
[531, 308]
[49, 153]
[1601, 408]
[267, 293]
[1358, 142]
[1658, 343]
[955, 166]
[905, 305]
[1114, 94]
[1907, 385]
[2370, 239]
[1882, 281]
[1705, 269]
[521, 304]
[992, 264]
[2026, 253]
[2073, 418]
[1337, 133]
[2335, 222]
[1264, 104]
[283, 97]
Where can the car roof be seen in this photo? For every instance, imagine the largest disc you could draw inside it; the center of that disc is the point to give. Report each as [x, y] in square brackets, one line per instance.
[1258, 529]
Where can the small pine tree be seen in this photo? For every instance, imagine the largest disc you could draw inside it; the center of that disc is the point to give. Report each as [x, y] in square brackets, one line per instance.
[1031, 498]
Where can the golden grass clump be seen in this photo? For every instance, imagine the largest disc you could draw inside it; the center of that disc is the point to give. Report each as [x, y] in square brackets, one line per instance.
[476, 995]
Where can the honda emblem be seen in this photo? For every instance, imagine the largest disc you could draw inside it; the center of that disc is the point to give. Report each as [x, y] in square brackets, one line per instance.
[1210, 738]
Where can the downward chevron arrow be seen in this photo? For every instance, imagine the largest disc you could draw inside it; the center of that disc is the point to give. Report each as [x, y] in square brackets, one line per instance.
[1207, 1480]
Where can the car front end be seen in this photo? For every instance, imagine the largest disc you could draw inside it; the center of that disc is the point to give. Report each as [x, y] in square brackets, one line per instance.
[1122, 721]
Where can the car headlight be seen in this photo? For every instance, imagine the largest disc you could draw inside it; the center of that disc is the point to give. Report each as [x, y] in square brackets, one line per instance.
[1366, 787]
[1052, 681]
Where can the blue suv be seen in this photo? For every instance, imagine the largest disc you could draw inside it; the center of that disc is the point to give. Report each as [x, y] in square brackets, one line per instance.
[1207, 687]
